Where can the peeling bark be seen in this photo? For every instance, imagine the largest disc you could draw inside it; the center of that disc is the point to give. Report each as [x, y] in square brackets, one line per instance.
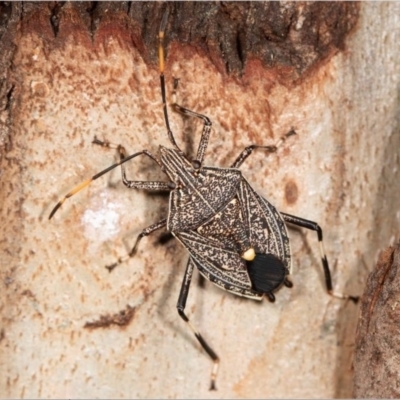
[377, 362]
[9, 17]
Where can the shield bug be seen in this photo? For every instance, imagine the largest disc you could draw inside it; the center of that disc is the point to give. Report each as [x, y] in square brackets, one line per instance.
[235, 238]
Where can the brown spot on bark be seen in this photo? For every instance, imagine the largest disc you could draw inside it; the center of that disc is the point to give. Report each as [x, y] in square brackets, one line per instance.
[291, 192]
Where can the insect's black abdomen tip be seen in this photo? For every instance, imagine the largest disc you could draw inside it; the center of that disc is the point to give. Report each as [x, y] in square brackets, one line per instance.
[267, 272]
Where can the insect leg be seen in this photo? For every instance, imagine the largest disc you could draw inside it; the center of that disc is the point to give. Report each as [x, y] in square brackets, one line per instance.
[146, 185]
[183, 295]
[304, 223]
[205, 135]
[121, 150]
[270, 149]
[145, 232]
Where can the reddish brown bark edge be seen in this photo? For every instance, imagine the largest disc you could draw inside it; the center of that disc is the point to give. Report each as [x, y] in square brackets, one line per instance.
[377, 354]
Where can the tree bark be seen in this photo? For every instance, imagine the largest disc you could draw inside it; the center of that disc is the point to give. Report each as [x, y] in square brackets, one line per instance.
[70, 71]
[376, 361]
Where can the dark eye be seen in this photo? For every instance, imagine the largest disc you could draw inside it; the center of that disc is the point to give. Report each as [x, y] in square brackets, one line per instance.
[196, 164]
[267, 272]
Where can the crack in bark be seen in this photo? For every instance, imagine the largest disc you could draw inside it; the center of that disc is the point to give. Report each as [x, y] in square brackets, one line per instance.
[5, 16]
[9, 98]
[54, 17]
[94, 20]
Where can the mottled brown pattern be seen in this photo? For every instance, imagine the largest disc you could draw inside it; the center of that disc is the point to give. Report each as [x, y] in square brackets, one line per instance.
[201, 195]
[228, 228]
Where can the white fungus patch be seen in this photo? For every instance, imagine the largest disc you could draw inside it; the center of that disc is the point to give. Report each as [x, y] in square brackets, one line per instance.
[101, 220]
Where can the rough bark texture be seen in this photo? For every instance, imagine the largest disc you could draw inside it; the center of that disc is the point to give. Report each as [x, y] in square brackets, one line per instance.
[292, 38]
[70, 71]
[377, 360]
[291, 35]
[10, 15]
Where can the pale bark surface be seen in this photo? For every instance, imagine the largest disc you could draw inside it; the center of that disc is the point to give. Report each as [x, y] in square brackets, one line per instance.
[73, 71]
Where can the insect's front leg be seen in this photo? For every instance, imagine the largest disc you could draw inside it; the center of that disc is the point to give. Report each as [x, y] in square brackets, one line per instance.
[183, 295]
[150, 229]
[304, 223]
[269, 149]
[205, 135]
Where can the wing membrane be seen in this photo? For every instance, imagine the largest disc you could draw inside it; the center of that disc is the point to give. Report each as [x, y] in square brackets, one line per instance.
[223, 267]
[266, 227]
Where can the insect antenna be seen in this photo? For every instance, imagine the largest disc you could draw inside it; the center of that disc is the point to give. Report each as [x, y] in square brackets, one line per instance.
[161, 58]
[90, 180]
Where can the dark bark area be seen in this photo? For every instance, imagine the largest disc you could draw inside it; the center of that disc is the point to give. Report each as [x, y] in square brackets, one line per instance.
[294, 35]
[10, 14]
[291, 37]
[376, 362]
[279, 34]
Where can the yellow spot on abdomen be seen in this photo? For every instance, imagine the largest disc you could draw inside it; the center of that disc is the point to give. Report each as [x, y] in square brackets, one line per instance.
[249, 254]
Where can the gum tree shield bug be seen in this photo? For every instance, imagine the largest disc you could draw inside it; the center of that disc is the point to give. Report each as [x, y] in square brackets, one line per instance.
[235, 238]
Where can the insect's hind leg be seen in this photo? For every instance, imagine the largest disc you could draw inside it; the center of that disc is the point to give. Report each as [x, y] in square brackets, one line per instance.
[183, 295]
[145, 232]
[304, 223]
[270, 149]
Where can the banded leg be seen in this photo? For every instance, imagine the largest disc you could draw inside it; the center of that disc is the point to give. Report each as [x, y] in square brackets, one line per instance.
[147, 231]
[270, 149]
[146, 185]
[205, 135]
[183, 295]
[304, 223]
